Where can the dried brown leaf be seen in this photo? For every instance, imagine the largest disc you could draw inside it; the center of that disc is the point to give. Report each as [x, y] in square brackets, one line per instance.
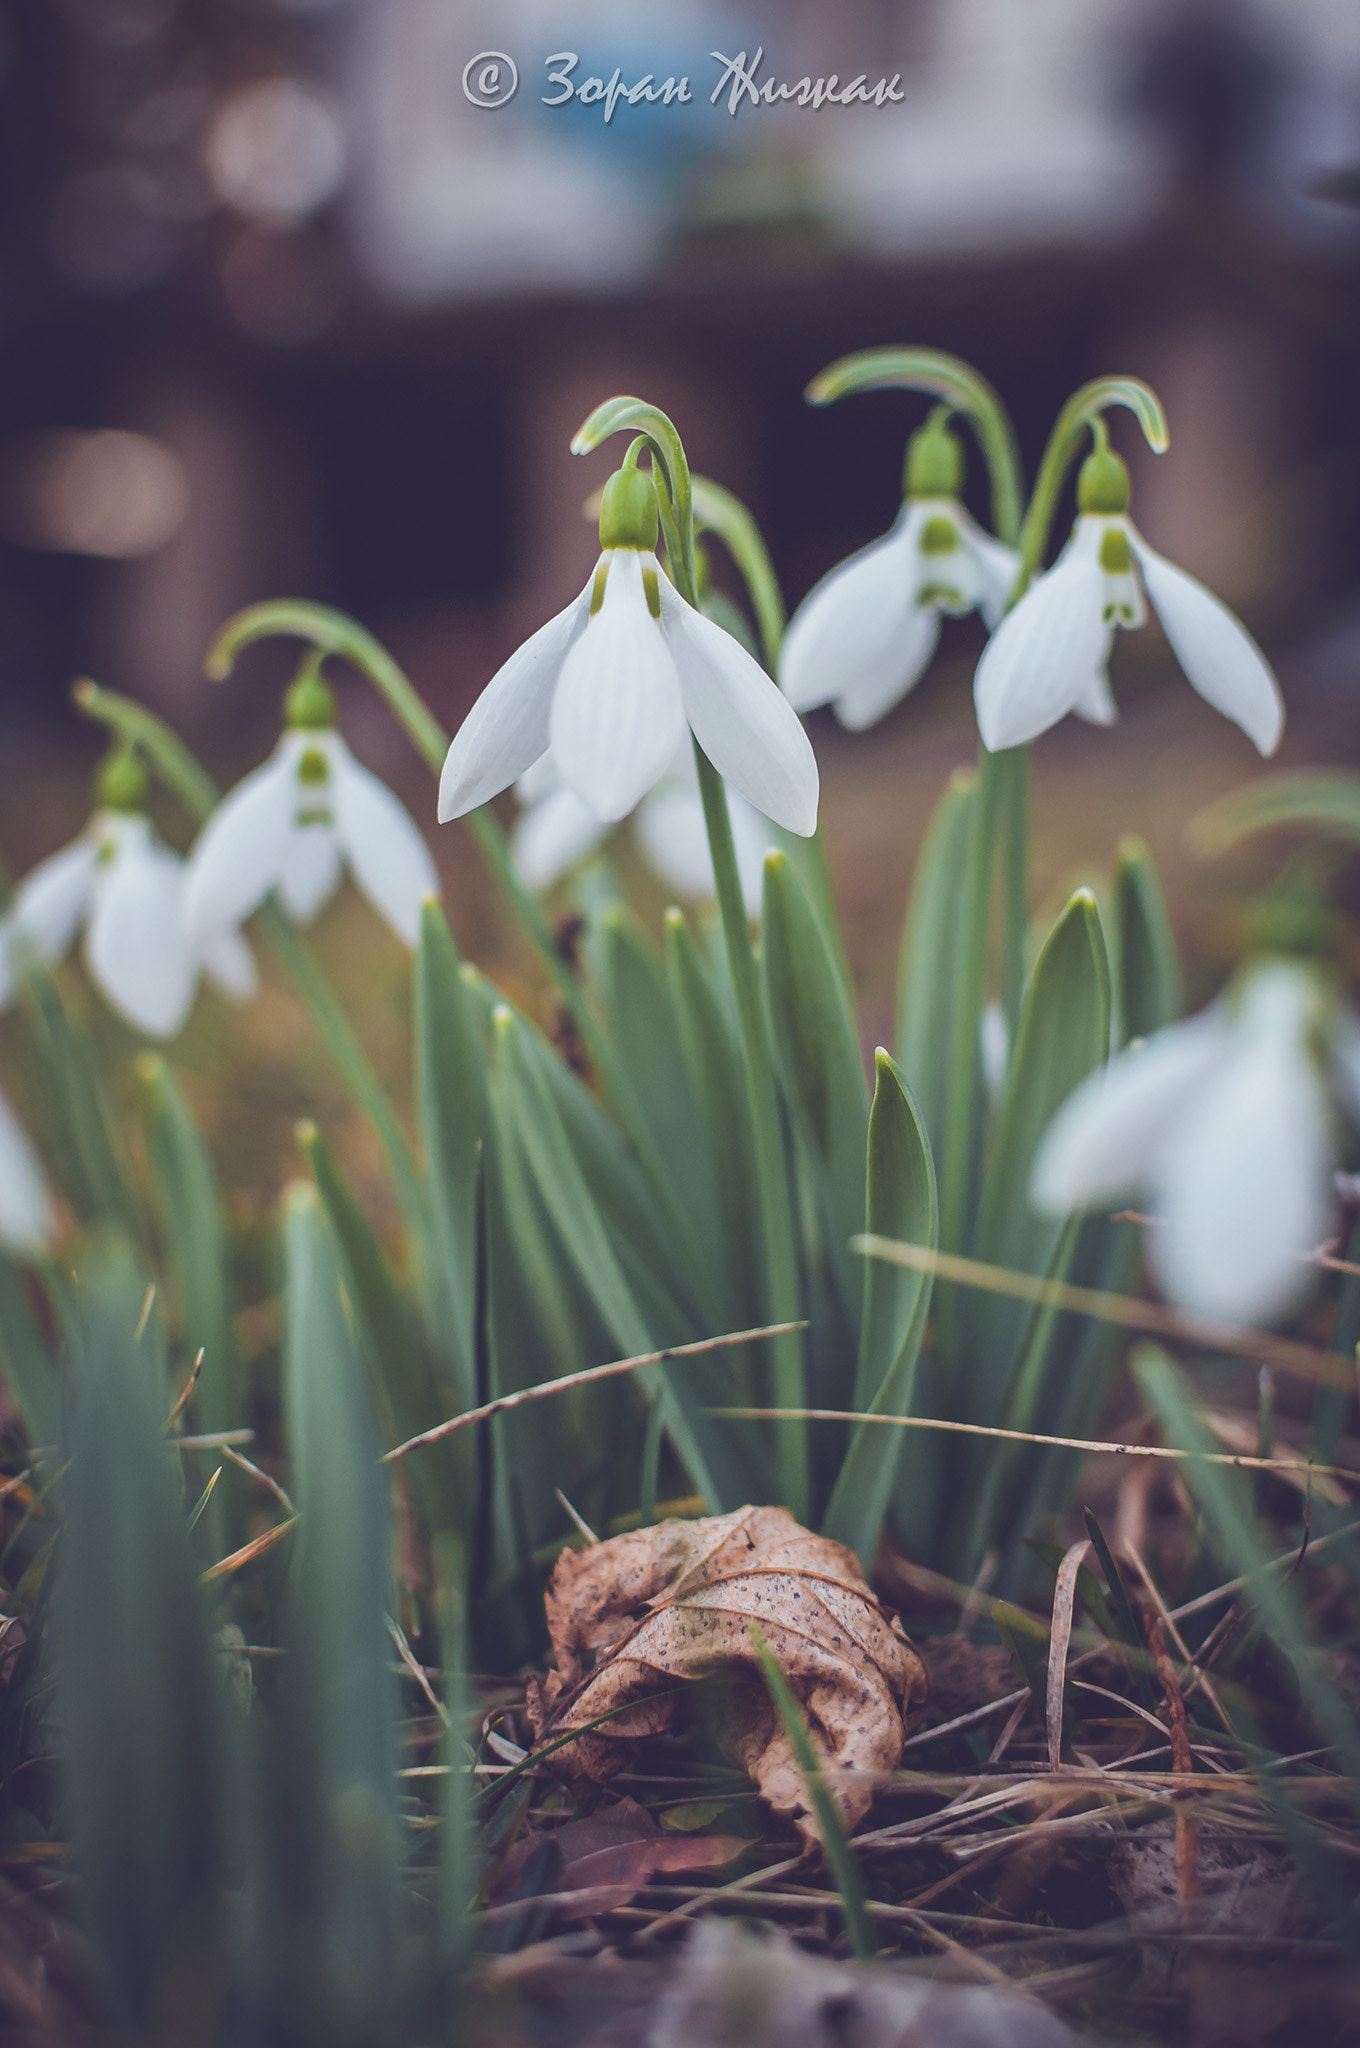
[647, 1612]
[620, 1849]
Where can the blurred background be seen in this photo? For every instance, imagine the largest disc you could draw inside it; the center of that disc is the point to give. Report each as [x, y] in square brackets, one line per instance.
[283, 312]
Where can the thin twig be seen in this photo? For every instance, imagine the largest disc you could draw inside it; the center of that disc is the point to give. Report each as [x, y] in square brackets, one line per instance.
[182, 1403]
[546, 1388]
[264, 1478]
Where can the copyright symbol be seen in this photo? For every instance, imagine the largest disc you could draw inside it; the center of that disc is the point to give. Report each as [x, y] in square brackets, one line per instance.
[490, 79]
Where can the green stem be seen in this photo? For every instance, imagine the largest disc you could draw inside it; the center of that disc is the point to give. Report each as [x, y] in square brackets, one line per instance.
[962, 1103]
[674, 495]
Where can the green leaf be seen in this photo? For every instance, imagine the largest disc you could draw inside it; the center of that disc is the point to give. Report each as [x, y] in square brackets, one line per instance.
[100, 1189]
[713, 1058]
[631, 985]
[147, 1768]
[451, 1107]
[1313, 796]
[26, 1358]
[325, 1932]
[927, 975]
[409, 1394]
[189, 1208]
[1145, 973]
[816, 1046]
[1064, 1033]
[901, 1203]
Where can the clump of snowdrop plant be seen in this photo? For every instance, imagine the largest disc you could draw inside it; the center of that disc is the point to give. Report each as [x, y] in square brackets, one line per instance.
[126, 888]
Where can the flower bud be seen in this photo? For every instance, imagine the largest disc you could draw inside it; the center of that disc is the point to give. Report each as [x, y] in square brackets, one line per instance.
[1103, 483]
[934, 464]
[628, 511]
[121, 782]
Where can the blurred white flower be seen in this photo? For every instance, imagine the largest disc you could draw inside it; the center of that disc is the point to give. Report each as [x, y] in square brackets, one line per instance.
[611, 685]
[1223, 1126]
[1049, 655]
[294, 823]
[556, 830]
[864, 635]
[126, 888]
[26, 1219]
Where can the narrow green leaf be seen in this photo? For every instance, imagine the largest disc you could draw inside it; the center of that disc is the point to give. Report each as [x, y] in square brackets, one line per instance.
[1145, 973]
[100, 1188]
[147, 1768]
[927, 975]
[1130, 1628]
[408, 1392]
[26, 1358]
[1027, 1642]
[1317, 797]
[816, 1046]
[840, 1856]
[900, 1203]
[451, 1107]
[325, 1933]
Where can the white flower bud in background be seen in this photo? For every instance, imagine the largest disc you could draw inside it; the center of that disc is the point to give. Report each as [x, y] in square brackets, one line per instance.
[26, 1216]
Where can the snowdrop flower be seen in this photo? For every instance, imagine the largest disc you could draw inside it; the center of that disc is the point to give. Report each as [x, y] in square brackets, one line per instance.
[126, 888]
[1049, 655]
[1223, 1126]
[26, 1217]
[612, 685]
[556, 829]
[295, 822]
[864, 635]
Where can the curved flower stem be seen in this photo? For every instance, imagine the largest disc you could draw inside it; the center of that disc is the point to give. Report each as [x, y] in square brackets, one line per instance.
[1080, 415]
[196, 790]
[675, 496]
[960, 386]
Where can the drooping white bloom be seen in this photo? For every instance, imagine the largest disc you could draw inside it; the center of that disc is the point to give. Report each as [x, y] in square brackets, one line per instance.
[1223, 1127]
[1049, 655]
[613, 684]
[556, 830]
[293, 824]
[864, 635]
[26, 1219]
[126, 887]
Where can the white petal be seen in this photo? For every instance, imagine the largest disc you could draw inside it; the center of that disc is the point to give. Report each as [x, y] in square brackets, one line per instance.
[50, 902]
[551, 836]
[310, 870]
[507, 728]
[136, 945]
[1106, 1140]
[26, 1219]
[670, 825]
[995, 566]
[995, 1047]
[539, 779]
[1096, 703]
[744, 723]
[848, 627]
[873, 689]
[1215, 649]
[238, 857]
[1346, 1058]
[1244, 1183]
[230, 965]
[616, 715]
[1043, 655]
[383, 844]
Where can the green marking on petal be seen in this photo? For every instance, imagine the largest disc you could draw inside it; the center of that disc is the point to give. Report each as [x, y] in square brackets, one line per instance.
[944, 597]
[939, 536]
[597, 592]
[1115, 558]
[314, 814]
[313, 768]
[653, 594]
